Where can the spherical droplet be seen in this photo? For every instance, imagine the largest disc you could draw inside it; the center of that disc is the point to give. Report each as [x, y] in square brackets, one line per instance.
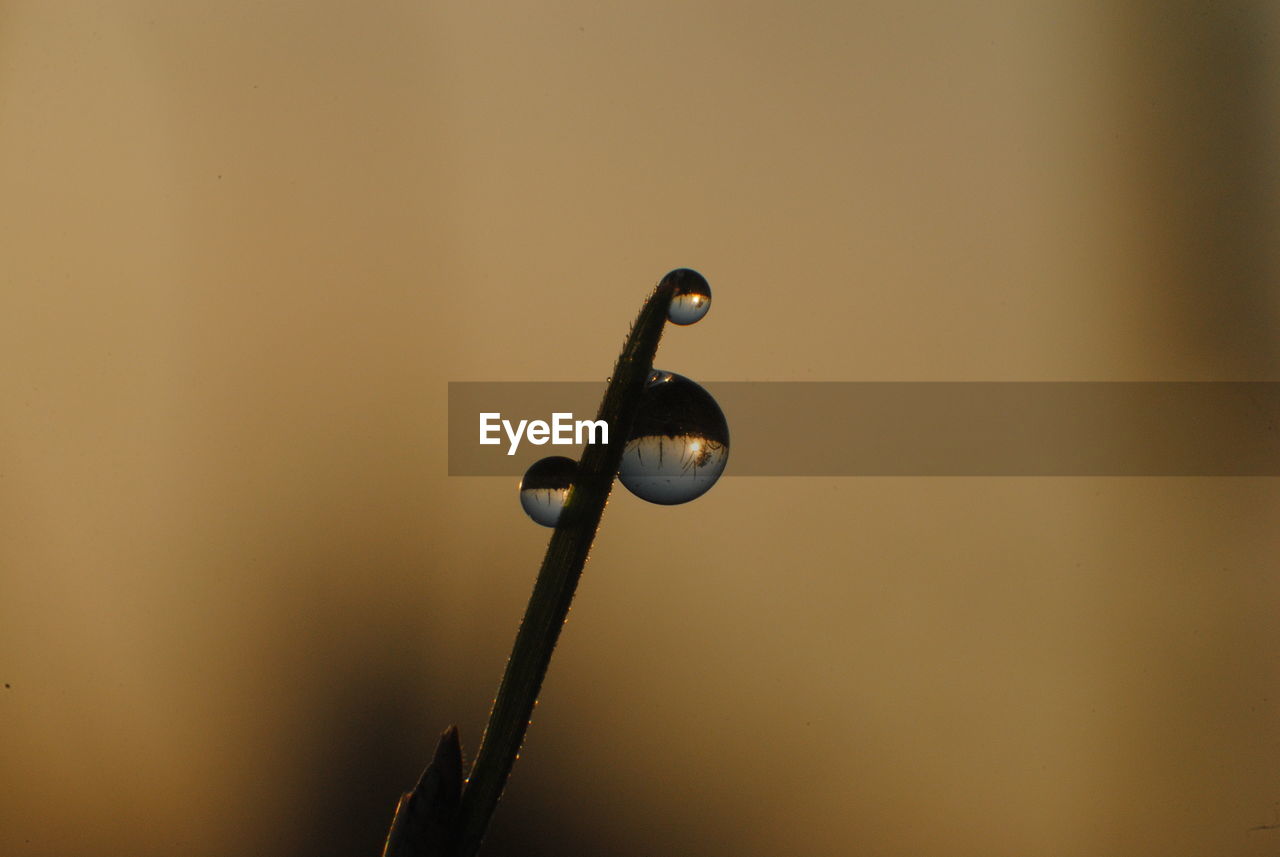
[679, 443]
[691, 297]
[545, 488]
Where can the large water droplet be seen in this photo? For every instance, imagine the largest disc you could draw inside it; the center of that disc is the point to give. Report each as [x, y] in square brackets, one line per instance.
[679, 443]
[691, 297]
[545, 488]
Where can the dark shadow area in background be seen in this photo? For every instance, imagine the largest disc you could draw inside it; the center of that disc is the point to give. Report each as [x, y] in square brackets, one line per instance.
[1193, 82]
[365, 711]
[369, 695]
[376, 734]
[369, 730]
[1197, 77]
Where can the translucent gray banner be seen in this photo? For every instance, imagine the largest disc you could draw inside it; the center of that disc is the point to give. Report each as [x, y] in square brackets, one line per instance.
[921, 428]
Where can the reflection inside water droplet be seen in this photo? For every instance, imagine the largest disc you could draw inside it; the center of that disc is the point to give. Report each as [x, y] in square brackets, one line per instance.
[679, 443]
[545, 488]
[691, 297]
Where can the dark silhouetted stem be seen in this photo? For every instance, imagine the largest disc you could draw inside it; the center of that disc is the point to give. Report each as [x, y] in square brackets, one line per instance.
[442, 816]
[561, 568]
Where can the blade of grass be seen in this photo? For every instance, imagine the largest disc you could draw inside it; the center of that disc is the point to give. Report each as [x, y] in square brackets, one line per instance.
[425, 821]
[561, 568]
[442, 817]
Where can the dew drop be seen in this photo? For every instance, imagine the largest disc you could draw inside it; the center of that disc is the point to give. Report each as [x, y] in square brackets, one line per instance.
[545, 488]
[679, 443]
[691, 297]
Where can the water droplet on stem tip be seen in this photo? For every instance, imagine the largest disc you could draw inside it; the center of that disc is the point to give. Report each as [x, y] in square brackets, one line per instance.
[690, 297]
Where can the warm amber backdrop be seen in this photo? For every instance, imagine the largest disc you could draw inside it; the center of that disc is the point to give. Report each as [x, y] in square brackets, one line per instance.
[244, 245]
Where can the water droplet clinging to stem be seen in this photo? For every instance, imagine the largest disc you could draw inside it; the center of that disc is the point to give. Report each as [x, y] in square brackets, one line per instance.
[545, 488]
[679, 442]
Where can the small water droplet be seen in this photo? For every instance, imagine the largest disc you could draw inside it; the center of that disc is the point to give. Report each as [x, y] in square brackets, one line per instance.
[691, 297]
[679, 443]
[545, 488]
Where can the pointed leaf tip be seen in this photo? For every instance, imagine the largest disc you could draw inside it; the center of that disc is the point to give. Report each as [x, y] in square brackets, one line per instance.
[424, 822]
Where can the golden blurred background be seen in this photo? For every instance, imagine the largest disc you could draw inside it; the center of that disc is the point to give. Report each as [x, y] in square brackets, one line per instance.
[245, 245]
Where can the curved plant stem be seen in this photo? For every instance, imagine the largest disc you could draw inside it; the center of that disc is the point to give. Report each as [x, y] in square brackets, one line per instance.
[561, 568]
[432, 821]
